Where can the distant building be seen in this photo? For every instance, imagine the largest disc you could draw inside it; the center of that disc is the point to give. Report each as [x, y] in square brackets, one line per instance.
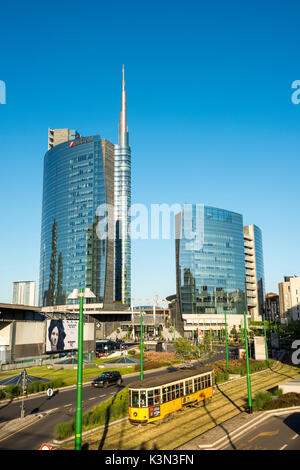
[289, 297]
[254, 271]
[272, 309]
[23, 293]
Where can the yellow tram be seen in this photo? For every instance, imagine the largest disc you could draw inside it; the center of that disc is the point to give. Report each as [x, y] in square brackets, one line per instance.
[157, 397]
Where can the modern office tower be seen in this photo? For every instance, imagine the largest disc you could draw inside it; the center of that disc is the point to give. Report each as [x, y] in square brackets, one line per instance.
[78, 178]
[272, 309]
[254, 271]
[23, 293]
[122, 205]
[210, 264]
[289, 297]
[58, 136]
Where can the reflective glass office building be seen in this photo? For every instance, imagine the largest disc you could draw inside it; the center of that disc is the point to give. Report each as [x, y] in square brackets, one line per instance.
[210, 260]
[78, 177]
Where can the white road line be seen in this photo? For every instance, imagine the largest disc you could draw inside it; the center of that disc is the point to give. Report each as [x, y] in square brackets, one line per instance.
[102, 396]
[283, 447]
[295, 436]
[67, 405]
[94, 398]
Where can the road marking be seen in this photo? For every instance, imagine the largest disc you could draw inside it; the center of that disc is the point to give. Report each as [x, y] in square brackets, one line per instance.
[266, 433]
[283, 447]
[102, 396]
[295, 436]
[70, 404]
[94, 398]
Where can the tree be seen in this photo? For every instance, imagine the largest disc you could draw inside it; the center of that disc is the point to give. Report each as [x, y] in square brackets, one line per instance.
[183, 347]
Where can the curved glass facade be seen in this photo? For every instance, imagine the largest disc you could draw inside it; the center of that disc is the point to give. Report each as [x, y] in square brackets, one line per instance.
[72, 256]
[210, 261]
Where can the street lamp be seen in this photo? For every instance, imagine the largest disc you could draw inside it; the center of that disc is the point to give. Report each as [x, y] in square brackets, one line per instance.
[226, 342]
[247, 365]
[84, 293]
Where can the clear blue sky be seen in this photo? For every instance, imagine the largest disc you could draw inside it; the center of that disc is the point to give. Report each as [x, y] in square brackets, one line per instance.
[210, 116]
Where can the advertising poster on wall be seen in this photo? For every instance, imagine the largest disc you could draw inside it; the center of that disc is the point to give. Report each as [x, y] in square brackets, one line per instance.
[61, 335]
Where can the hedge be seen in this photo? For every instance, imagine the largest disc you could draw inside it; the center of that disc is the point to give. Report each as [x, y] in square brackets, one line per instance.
[110, 410]
[12, 391]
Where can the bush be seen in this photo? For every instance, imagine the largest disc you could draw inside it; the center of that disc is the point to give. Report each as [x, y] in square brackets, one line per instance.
[260, 400]
[285, 401]
[13, 391]
[221, 377]
[2, 394]
[111, 410]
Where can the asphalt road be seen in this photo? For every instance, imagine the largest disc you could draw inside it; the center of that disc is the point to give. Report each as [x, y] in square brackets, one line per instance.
[277, 433]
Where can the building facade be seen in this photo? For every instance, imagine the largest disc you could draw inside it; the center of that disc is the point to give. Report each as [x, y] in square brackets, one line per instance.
[210, 263]
[289, 298]
[254, 271]
[78, 178]
[23, 293]
[272, 309]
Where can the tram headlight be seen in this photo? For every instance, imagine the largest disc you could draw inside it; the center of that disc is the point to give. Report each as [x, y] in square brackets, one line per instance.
[135, 413]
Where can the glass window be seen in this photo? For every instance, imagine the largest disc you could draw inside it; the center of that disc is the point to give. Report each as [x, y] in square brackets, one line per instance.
[143, 398]
[156, 396]
[150, 397]
[135, 399]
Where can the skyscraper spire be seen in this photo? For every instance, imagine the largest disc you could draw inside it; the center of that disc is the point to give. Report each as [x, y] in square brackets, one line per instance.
[123, 130]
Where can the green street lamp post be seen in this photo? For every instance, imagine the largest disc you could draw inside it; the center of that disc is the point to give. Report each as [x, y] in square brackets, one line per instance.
[248, 365]
[141, 350]
[265, 333]
[226, 341]
[84, 293]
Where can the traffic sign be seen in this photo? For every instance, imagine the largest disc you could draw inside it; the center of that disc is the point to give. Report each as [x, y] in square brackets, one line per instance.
[50, 392]
[45, 447]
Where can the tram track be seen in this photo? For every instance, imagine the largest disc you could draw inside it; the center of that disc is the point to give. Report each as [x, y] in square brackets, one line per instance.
[191, 422]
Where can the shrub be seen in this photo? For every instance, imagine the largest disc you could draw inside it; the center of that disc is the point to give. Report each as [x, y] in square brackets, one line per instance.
[285, 401]
[13, 391]
[2, 394]
[260, 400]
[221, 377]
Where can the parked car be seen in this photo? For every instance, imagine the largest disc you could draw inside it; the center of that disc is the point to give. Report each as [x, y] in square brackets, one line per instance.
[108, 378]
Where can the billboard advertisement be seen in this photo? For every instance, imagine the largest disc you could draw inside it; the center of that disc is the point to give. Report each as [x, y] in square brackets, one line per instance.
[61, 335]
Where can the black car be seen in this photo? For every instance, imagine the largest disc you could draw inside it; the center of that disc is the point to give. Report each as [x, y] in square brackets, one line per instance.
[108, 378]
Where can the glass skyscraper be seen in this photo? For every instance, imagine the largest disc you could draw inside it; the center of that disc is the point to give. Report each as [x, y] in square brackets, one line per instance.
[75, 184]
[121, 207]
[210, 260]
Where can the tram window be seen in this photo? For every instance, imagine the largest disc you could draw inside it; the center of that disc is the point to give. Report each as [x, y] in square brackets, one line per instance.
[202, 383]
[170, 393]
[164, 395]
[157, 396]
[188, 386]
[196, 384]
[177, 391]
[181, 389]
[150, 398]
[143, 399]
[209, 381]
[135, 399]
